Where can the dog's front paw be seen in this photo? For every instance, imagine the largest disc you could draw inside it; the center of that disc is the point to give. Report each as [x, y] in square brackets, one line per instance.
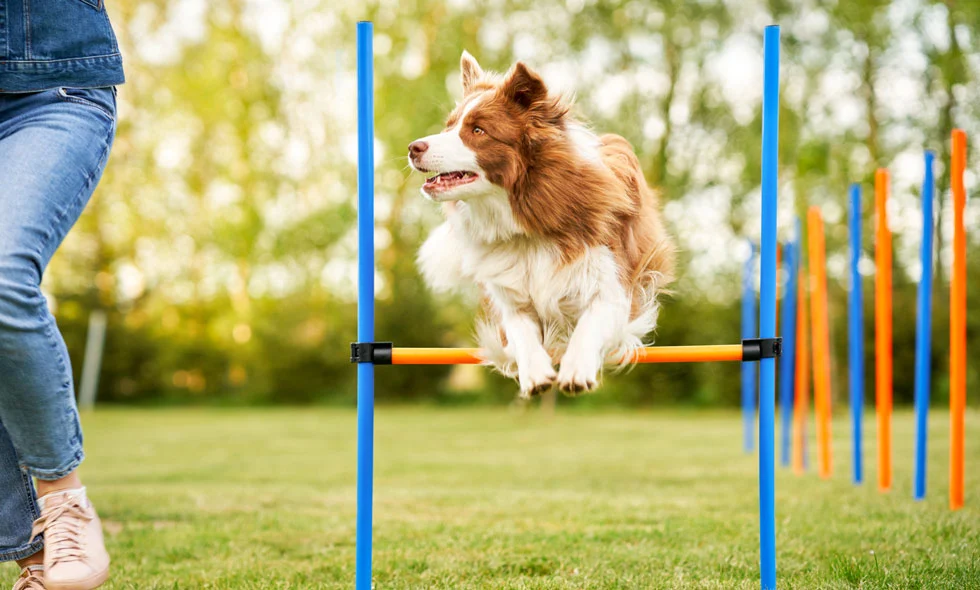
[577, 375]
[537, 377]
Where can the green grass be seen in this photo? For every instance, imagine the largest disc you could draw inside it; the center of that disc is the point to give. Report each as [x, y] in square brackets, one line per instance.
[491, 498]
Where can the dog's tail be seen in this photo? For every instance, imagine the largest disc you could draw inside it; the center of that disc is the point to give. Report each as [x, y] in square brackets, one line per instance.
[649, 259]
[645, 294]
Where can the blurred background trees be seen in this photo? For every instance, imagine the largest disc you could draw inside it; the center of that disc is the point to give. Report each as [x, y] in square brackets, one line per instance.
[221, 242]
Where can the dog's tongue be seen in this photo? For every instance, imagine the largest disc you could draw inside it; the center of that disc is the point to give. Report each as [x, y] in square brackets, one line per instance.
[447, 178]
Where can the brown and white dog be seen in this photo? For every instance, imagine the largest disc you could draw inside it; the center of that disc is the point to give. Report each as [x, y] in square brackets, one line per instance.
[554, 223]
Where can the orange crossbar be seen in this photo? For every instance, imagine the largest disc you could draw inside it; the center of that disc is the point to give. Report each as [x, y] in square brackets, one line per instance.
[650, 354]
[436, 356]
[689, 354]
[957, 325]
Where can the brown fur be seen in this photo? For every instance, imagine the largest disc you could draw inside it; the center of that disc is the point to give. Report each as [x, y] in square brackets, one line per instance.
[554, 192]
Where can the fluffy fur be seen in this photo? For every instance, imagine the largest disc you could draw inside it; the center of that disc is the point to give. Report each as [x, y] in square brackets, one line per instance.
[555, 224]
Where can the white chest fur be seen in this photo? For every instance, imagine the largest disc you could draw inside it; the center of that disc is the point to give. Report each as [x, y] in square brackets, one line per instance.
[579, 309]
[528, 275]
[481, 244]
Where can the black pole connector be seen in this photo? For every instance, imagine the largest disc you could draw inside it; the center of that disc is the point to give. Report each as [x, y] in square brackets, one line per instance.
[377, 353]
[756, 349]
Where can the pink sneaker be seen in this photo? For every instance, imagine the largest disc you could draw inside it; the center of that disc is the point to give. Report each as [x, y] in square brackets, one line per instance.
[31, 578]
[74, 552]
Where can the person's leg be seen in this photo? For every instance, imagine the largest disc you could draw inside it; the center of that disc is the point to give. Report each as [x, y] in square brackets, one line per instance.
[18, 509]
[53, 148]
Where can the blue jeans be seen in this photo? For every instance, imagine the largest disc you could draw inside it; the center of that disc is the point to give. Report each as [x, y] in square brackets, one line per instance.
[53, 148]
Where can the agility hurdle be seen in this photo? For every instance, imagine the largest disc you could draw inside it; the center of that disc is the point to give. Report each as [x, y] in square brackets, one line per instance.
[787, 363]
[855, 331]
[367, 353]
[750, 322]
[820, 332]
[801, 369]
[385, 353]
[883, 333]
[957, 325]
[923, 334]
[787, 257]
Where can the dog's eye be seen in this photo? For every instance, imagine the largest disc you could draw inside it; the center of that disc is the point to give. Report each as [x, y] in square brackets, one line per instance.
[478, 131]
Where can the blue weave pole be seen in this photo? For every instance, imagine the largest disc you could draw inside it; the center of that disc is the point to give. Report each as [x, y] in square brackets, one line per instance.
[923, 334]
[749, 369]
[855, 336]
[767, 308]
[365, 300]
[787, 362]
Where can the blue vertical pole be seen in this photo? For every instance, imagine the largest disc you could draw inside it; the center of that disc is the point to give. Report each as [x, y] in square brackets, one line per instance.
[855, 332]
[365, 300]
[787, 362]
[767, 308]
[749, 369]
[923, 340]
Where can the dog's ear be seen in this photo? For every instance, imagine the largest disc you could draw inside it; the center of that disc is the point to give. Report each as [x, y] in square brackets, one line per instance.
[524, 87]
[470, 70]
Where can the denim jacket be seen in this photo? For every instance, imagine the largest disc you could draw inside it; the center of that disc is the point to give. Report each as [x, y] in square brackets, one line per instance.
[48, 44]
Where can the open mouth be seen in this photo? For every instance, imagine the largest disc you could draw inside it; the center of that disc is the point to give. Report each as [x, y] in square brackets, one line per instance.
[449, 180]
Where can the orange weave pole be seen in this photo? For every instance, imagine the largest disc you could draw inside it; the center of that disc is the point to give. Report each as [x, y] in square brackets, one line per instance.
[779, 291]
[650, 354]
[800, 401]
[883, 331]
[957, 326]
[821, 340]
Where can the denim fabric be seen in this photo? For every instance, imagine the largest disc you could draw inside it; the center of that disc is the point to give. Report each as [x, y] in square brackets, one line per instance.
[45, 44]
[53, 148]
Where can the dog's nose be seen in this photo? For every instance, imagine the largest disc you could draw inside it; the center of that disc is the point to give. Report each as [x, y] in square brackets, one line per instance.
[417, 148]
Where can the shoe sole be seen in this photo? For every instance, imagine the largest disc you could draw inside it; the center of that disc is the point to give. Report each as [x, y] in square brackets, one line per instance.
[89, 583]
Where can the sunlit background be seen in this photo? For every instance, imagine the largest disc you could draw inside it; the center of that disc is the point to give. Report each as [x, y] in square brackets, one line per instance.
[221, 241]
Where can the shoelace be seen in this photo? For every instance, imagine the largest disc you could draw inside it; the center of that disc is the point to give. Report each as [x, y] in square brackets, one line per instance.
[62, 527]
[28, 580]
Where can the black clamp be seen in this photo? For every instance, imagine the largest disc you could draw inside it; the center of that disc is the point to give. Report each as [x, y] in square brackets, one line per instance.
[755, 349]
[376, 353]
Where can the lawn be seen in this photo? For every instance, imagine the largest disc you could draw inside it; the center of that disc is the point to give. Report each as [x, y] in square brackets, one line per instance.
[493, 498]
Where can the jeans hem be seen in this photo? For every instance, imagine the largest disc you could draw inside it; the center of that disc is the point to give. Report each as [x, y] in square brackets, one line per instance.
[58, 473]
[21, 552]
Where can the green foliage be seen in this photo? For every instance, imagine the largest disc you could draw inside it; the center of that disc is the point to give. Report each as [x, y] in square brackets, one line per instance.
[221, 237]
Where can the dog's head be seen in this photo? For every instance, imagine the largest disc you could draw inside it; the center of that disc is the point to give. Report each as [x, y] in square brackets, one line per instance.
[491, 137]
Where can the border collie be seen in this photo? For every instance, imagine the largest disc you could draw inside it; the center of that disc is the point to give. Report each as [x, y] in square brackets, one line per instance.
[555, 224]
